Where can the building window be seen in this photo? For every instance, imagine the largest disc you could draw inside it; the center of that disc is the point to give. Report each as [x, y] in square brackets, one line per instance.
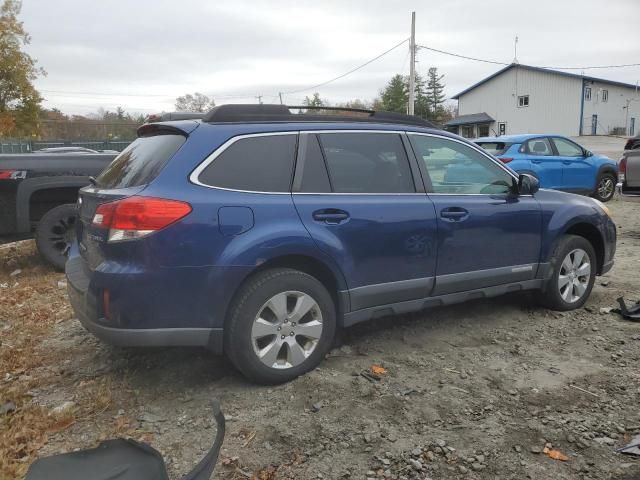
[523, 101]
[587, 93]
[483, 130]
[467, 131]
[605, 95]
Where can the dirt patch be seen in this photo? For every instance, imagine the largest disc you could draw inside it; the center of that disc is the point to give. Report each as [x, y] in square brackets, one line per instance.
[474, 391]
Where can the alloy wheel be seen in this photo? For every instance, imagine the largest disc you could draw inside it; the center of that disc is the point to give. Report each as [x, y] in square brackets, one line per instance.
[60, 235]
[606, 187]
[287, 329]
[574, 277]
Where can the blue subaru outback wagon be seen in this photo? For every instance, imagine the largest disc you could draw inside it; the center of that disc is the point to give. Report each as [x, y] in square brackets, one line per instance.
[259, 232]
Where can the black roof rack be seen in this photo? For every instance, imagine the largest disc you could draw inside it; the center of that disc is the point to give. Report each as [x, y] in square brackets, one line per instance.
[283, 113]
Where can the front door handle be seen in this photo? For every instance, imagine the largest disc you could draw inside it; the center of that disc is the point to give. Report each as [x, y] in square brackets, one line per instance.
[536, 161]
[330, 215]
[454, 214]
[567, 162]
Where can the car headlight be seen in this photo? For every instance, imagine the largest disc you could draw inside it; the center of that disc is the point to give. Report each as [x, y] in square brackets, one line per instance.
[602, 207]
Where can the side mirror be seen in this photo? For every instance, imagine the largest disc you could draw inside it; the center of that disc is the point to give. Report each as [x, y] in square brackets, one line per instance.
[588, 153]
[527, 184]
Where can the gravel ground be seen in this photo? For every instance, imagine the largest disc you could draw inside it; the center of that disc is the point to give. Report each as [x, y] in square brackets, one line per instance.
[475, 391]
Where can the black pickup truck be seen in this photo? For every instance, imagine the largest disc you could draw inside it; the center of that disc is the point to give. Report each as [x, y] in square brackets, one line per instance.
[38, 194]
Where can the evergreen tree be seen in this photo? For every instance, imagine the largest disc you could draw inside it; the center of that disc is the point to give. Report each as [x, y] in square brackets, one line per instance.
[315, 101]
[435, 95]
[395, 96]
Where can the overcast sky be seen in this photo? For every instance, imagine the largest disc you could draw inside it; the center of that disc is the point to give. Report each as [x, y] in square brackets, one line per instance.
[141, 55]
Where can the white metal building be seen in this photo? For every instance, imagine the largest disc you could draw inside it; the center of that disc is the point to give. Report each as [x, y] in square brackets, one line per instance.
[524, 99]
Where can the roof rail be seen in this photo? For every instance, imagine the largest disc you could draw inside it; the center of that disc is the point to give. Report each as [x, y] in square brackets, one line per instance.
[282, 113]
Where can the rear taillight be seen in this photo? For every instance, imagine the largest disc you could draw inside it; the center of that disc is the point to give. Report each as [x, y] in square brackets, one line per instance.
[622, 169]
[137, 217]
[505, 159]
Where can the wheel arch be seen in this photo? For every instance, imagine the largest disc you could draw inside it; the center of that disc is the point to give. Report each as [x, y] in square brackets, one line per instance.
[590, 233]
[329, 276]
[37, 186]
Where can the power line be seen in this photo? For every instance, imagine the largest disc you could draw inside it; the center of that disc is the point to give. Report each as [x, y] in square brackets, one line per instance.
[505, 64]
[349, 72]
[462, 56]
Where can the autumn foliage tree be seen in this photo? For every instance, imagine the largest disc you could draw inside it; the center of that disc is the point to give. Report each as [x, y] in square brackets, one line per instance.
[19, 100]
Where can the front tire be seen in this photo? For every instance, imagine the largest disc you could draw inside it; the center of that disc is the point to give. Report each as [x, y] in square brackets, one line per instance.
[606, 187]
[574, 265]
[281, 325]
[55, 233]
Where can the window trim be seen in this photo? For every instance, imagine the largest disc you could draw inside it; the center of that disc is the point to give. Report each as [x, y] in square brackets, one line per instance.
[419, 182]
[425, 173]
[195, 174]
[523, 97]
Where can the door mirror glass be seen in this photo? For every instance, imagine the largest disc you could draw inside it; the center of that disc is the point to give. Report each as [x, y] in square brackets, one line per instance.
[527, 184]
[588, 153]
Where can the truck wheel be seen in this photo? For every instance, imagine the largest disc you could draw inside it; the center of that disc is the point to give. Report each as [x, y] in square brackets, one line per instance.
[55, 232]
[574, 266]
[606, 187]
[281, 325]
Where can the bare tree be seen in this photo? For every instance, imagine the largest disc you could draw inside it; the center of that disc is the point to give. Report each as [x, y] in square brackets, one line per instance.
[197, 102]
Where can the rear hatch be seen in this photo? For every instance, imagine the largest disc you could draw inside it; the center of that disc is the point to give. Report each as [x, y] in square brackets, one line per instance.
[128, 174]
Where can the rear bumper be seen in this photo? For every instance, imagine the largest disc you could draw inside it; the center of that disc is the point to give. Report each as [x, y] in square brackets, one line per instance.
[85, 307]
[629, 191]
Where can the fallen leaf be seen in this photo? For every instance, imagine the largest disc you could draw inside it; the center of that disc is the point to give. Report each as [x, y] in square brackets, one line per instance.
[378, 370]
[555, 454]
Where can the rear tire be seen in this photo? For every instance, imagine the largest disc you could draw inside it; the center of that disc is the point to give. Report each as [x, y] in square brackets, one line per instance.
[55, 233]
[574, 265]
[606, 187]
[280, 326]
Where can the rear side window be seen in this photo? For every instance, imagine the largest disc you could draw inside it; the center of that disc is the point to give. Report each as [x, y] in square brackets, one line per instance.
[539, 146]
[367, 163]
[256, 164]
[495, 148]
[140, 162]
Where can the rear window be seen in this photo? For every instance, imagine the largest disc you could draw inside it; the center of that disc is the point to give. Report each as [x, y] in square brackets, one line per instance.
[140, 162]
[495, 148]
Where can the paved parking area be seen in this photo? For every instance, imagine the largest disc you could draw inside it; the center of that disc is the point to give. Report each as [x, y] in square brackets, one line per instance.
[612, 147]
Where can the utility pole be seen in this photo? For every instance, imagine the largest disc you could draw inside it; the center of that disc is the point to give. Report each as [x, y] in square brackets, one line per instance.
[280, 95]
[412, 66]
[515, 50]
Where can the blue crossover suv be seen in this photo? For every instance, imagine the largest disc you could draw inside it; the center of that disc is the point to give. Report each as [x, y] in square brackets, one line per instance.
[259, 232]
[557, 162]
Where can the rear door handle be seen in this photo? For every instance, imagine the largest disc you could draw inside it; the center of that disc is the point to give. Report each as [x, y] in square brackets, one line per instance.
[330, 215]
[454, 213]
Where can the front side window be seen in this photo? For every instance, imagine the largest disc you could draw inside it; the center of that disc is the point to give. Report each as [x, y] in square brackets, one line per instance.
[587, 93]
[523, 101]
[458, 169]
[367, 163]
[566, 148]
[256, 164]
[539, 146]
